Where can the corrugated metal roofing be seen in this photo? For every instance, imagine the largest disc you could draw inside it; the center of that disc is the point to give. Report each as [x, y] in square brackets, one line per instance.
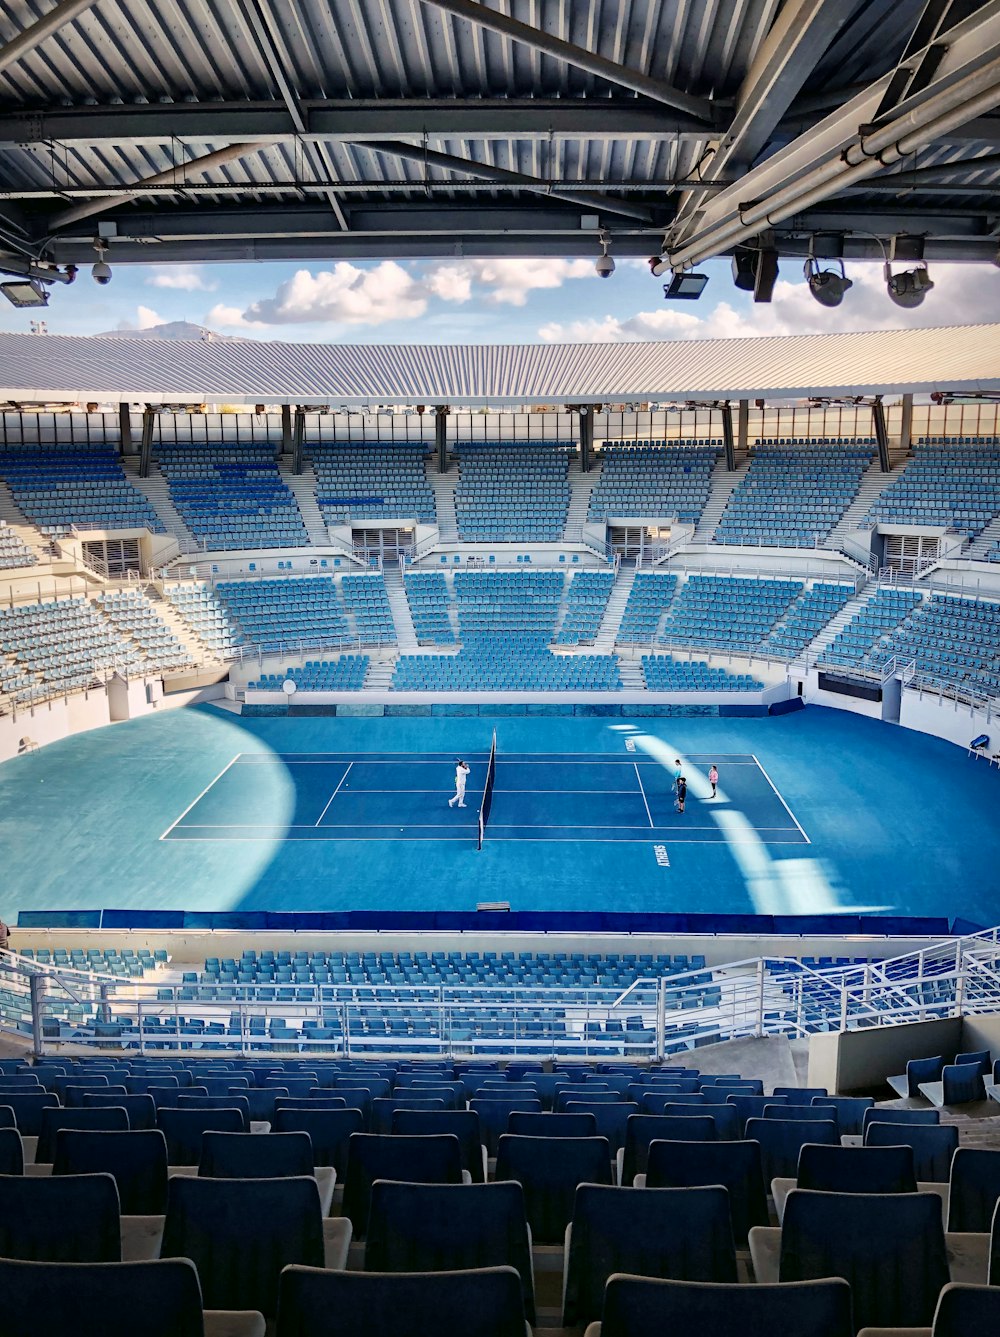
[76, 369]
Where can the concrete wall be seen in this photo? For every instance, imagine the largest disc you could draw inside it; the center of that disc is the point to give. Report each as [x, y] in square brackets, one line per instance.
[932, 714]
[856, 1061]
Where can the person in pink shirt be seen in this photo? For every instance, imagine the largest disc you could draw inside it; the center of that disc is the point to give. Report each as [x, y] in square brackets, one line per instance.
[713, 778]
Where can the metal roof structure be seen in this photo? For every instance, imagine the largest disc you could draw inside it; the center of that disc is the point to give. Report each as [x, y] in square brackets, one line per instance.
[73, 369]
[232, 130]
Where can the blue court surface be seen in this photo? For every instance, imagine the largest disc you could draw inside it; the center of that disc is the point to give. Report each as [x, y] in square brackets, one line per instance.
[818, 812]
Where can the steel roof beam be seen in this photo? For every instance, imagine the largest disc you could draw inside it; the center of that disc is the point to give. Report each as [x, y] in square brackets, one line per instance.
[26, 41]
[557, 47]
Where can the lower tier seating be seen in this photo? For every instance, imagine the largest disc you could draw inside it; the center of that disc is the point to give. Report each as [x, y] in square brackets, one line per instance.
[664, 673]
[344, 674]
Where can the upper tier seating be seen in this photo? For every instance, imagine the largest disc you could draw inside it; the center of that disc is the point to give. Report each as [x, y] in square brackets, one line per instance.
[365, 597]
[134, 615]
[427, 596]
[951, 486]
[806, 619]
[344, 674]
[952, 640]
[372, 480]
[650, 479]
[13, 551]
[663, 673]
[512, 491]
[57, 487]
[586, 600]
[651, 593]
[304, 609]
[880, 616]
[793, 497]
[64, 646]
[207, 616]
[232, 496]
[736, 612]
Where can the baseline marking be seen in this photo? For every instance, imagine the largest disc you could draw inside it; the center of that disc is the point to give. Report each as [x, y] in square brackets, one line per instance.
[334, 794]
[200, 796]
[782, 802]
[643, 793]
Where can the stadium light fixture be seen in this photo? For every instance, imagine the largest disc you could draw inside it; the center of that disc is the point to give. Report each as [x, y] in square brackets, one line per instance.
[826, 285]
[605, 265]
[685, 286]
[909, 288]
[25, 292]
[744, 266]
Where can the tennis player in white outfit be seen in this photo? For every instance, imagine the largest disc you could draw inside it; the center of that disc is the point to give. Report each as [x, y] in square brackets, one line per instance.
[461, 775]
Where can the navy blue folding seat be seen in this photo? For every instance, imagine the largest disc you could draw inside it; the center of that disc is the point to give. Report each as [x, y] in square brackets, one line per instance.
[324, 1102]
[102, 1299]
[751, 1107]
[411, 1160]
[734, 1165]
[974, 1188]
[11, 1152]
[725, 1117]
[141, 1110]
[933, 1147]
[684, 1233]
[94, 1082]
[886, 1114]
[803, 1113]
[329, 1130]
[377, 1087]
[246, 1156]
[240, 1233]
[850, 1111]
[441, 1227]
[978, 1058]
[610, 1119]
[139, 1086]
[464, 1124]
[637, 1307]
[917, 1070]
[384, 1108]
[745, 1086]
[136, 1160]
[654, 1101]
[890, 1247]
[451, 1094]
[494, 1113]
[643, 1129]
[857, 1169]
[109, 1120]
[70, 1220]
[800, 1095]
[483, 1303]
[961, 1083]
[229, 1102]
[183, 1130]
[566, 1094]
[75, 1096]
[549, 1170]
[528, 1123]
[781, 1140]
[354, 1097]
[964, 1309]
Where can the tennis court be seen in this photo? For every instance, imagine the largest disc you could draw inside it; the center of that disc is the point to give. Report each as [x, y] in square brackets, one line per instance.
[536, 796]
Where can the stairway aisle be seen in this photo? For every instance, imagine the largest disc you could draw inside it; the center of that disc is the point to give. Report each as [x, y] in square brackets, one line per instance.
[826, 637]
[724, 484]
[154, 488]
[444, 500]
[399, 606]
[873, 481]
[303, 488]
[607, 633]
[187, 636]
[581, 486]
[981, 546]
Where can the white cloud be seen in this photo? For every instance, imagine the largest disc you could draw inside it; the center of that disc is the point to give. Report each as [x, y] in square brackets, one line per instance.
[451, 282]
[344, 295]
[962, 295]
[511, 280]
[145, 319]
[231, 317]
[185, 278]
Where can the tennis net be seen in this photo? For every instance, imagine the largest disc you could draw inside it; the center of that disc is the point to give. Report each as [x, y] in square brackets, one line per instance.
[487, 803]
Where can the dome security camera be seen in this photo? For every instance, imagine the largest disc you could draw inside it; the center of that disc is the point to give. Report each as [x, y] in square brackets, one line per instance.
[101, 273]
[605, 266]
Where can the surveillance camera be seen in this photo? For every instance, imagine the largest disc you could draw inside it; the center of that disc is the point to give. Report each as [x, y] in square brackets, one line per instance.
[909, 288]
[605, 266]
[101, 273]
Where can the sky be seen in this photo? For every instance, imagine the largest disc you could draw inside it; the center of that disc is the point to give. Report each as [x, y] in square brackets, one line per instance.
[489, 301]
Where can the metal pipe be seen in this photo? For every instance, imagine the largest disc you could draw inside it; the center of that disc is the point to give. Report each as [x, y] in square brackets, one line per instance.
[26, 41]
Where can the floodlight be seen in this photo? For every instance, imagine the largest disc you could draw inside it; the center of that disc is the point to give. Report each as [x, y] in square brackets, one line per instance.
[685, 286]
[826, 285]
[909, 288]
[744, 265]
[25, 292]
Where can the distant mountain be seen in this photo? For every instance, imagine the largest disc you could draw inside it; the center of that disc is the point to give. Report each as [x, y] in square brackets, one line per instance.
[172, 329]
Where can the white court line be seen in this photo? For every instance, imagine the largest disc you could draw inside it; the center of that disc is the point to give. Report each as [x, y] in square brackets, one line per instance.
[433, 826]
[783, 804]
[643, 793]
[335, 793]
[200, 796]
[509, 840]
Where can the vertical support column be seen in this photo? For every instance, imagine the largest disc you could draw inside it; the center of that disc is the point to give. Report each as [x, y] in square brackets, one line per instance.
[727, 438]
[286, 429]
[124, 430]
[906, 424]
[881, 434]
[298, 435]
[146, 446]
[743, 428]
[586, 438]
[441, 412]
[35, 988]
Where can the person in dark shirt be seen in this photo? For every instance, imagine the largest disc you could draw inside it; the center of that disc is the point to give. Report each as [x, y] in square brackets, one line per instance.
[682, 793]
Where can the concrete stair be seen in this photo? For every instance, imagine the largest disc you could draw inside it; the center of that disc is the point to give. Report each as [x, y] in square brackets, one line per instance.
[981, 545]
[723, 485]
[581, 486]
[154, 488]
[444, 500]
[814, 650]
[873, 481]
[303, 488]
[406, 636]
[607, 633]
[191, 641]
[379, 675]
[631, 674]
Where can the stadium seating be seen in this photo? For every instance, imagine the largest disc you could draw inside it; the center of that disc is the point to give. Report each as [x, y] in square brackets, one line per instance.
[232, 496]
[870, 627]
[664, 673]
[653, 479]
[950, 486]
[952, 640]
[61, 646]
[346, 673]
[428, 598]
[367, 604]
[14, 552]
[734, 612]
[651, 595]
[276, 614]
[586, 599]
[638, 1306]
[134, 616]
[792, 497]
[358, 481]
[208, 617]
[57, 487]
[512, 491]
[806, 618]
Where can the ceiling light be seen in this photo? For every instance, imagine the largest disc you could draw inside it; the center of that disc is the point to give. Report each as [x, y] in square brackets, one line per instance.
[908, 288]
[826, 285]
[25, 292]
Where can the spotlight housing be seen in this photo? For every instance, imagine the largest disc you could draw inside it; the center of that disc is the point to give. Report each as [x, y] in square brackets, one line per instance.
[908, 288]
[25, 292]
[826, 285]
[685, 286]
[744, 266]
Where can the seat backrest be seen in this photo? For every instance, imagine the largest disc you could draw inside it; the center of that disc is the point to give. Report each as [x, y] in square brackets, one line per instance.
[962, 1083]
[593, 1096]
[69, 1220]
[643, 1129]
[857, 1169]
[329, 1130]
[549, 1170]
[529, 1124]
[752, 1107]
[803, 1113]
[610, 1119]
[101, 1299]
[230, 1102]
[385, 1106]
[734, 1165]
[441, 1227]
[412, 1160]
[74, 1095]
[883, 1114]
[483, 1303]
[978, 1058]
[184, 1128]
[139, 1086]
[137, 1160]
[636, 1307]
[975, 1188]
[464, 1124]
[725, 1117]
[240, 1233]
[850, 1110]
[685, 1233]
[141, 1110]
[110, 1120]
[890, 1247]
[964, 1309]
[11, 1152]
[494, 1113]
[781, 1140]
[933, 1147]
[800, 1095]
[28, 1107]
[246, 1156]
[922, 1070]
